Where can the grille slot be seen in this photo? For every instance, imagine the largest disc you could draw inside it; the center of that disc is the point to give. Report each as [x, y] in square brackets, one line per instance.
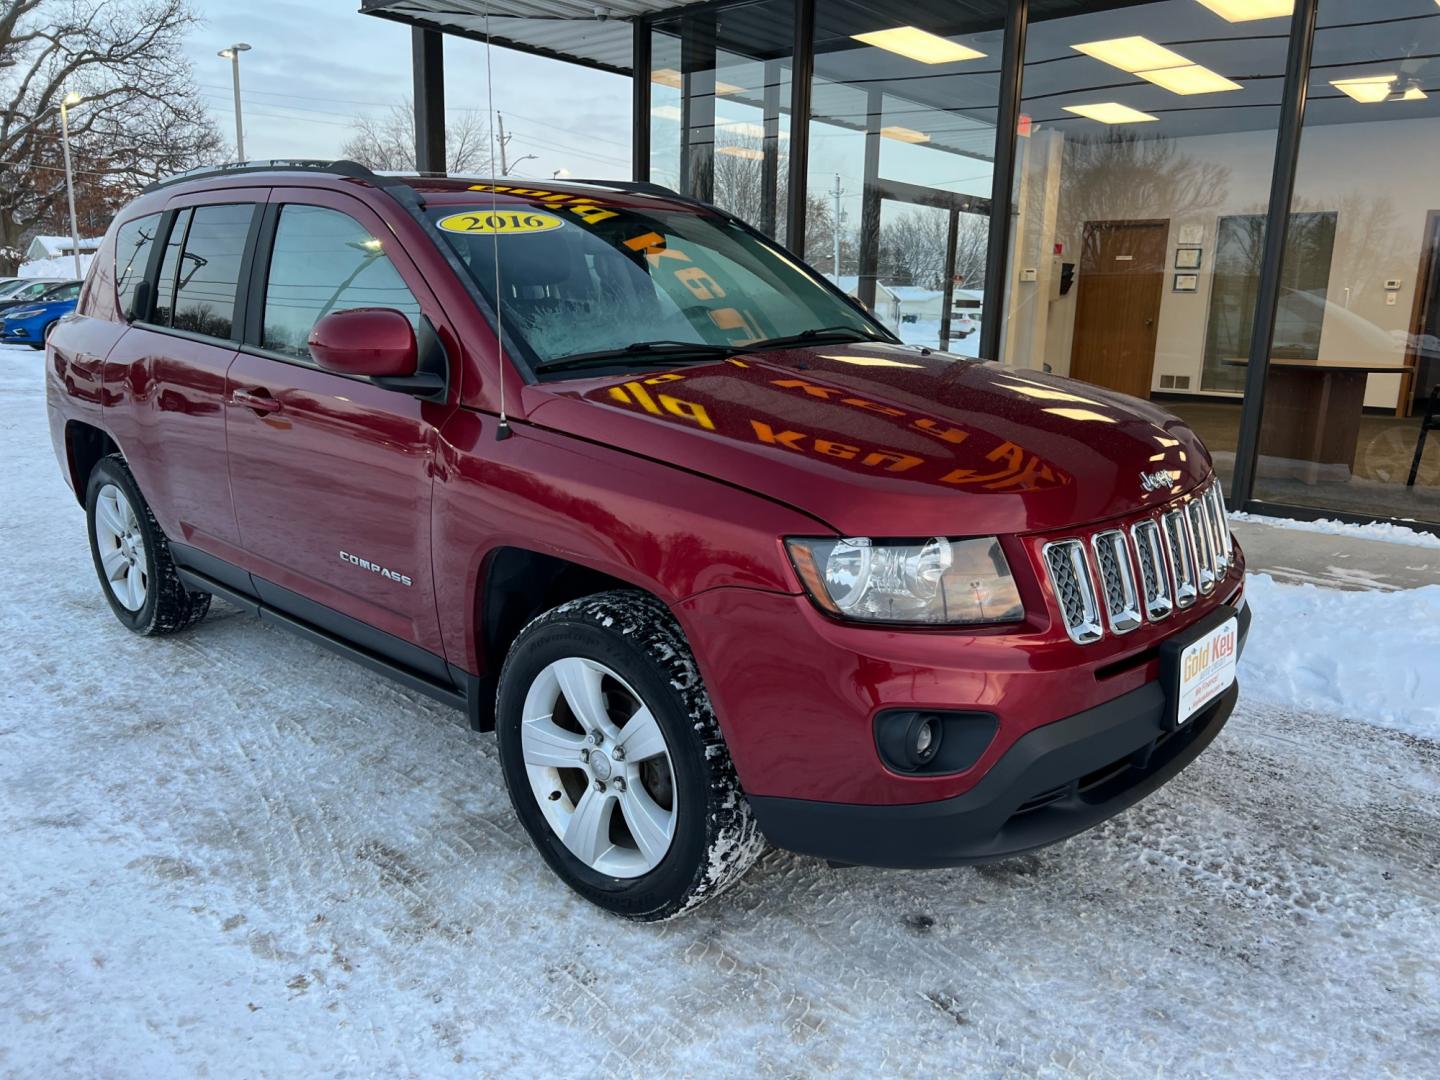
[1182, 558]
[1224, 545]
[1117, 581]
[1154, 579]
[1070, 577]
[1198, 514]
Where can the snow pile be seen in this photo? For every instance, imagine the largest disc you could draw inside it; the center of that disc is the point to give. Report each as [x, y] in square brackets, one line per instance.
[62, 268]
[1370, 656]
[1375, 530]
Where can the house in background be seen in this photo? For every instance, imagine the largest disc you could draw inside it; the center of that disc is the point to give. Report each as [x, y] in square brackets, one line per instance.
[55, 247]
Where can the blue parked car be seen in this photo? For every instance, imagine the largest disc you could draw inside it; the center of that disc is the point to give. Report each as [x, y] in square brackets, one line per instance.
[29, 323]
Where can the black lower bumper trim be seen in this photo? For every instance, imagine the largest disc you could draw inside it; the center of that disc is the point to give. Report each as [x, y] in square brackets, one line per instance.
[1056, 781]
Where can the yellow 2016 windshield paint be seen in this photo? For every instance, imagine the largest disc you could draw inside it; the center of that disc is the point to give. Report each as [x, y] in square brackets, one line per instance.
[503, 222]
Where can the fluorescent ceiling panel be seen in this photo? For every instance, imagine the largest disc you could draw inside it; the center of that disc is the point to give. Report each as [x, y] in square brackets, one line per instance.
[1132, 54]
[1249, 10]
[904, 134]
[1190, 79]
[916, 44]
[1111, 112]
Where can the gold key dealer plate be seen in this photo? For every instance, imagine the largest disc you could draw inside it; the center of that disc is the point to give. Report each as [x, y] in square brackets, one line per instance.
[1201, 667]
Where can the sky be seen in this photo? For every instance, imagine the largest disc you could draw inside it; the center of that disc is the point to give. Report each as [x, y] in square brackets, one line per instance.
[313, 67]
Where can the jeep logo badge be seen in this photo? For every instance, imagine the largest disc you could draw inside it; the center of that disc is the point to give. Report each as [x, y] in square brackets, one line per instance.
[1154, 481]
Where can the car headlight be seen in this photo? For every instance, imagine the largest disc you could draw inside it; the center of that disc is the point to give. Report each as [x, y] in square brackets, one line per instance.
[935, 581]
[27, 313]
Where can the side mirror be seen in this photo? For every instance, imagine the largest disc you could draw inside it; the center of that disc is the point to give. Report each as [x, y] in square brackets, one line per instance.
[373, 342]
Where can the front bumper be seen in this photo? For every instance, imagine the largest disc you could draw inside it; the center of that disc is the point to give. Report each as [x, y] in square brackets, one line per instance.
[1054, 782]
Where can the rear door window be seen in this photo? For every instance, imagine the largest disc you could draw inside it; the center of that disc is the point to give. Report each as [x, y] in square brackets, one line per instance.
[324, 261]
[208, 276]
[169, 267]
[133, 243]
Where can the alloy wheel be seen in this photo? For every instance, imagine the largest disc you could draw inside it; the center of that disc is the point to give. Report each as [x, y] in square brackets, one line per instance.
[122, 548]
[599, 767]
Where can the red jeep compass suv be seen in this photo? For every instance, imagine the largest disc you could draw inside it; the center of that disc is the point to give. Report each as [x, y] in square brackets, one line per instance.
[718, 558]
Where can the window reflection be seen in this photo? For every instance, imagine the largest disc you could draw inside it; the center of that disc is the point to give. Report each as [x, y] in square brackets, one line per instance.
[1354, 363]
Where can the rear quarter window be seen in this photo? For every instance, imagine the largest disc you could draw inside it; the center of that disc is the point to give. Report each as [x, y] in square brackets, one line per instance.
[134, 242]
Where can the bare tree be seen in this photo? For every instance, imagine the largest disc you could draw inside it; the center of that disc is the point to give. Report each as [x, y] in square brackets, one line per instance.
[912, 249]
[387, 143]
[141, 116]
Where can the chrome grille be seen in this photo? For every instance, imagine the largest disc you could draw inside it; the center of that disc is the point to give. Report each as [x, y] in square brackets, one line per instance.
[1167, 561]
[1117, 581]
[1154, 579]
[1070, 577]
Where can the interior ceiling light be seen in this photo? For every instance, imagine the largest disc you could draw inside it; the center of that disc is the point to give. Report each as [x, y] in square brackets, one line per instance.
[1132, 54]
[916, 44]
[1111, 112]
[1157, 64]
[1249, 10]
[904, 134]
[1190, 79]
[672, 78]
[749, 153]
[1370, 89]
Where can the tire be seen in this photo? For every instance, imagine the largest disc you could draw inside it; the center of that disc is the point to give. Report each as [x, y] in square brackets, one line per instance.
[132, 556]
[615, 651]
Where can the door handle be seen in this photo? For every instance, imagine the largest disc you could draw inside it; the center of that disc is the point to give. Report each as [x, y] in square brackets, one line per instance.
[259, 401]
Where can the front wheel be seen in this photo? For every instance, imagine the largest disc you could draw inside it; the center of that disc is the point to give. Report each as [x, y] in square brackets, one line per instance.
[614, 761]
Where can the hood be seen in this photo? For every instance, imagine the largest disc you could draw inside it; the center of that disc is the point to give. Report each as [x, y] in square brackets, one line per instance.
[887, 441]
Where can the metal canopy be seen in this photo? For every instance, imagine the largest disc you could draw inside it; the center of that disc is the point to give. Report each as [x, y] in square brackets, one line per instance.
[562, 29]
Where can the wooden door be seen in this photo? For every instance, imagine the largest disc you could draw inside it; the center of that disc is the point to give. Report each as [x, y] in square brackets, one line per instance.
[1117, 306]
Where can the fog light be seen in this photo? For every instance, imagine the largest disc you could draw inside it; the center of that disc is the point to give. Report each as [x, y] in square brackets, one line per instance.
[924, 739]
[932, 742]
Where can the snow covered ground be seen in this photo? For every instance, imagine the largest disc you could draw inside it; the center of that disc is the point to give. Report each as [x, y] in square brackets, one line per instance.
[228, 853]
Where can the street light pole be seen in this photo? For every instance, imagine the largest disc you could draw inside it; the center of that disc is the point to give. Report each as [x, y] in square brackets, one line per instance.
[69, 99]
[232, 53]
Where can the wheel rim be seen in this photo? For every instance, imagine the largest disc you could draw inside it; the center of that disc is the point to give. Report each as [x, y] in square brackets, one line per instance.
[599, 767]
[122, 548]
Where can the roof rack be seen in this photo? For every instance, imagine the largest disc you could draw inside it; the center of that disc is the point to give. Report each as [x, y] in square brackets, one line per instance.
[339, 167]
[639, 187]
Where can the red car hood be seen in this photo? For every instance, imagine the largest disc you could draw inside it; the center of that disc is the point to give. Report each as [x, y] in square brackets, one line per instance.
[879, 440]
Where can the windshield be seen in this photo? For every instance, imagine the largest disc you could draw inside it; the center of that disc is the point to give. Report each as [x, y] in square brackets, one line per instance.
[67, 291]
[582, 279]
[9, 288]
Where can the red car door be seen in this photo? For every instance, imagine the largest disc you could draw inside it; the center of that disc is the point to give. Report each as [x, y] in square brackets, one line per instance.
[167, 372]
[332, 474]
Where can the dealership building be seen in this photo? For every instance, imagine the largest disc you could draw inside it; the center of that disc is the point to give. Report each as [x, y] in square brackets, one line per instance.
[1228, 206]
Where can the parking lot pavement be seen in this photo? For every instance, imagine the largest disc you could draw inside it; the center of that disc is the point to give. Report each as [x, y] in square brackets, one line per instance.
[230, 853]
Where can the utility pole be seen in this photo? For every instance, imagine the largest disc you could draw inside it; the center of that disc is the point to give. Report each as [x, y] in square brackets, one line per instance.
[835, 264]
[504, 141]
[232, 53]
[69, 99]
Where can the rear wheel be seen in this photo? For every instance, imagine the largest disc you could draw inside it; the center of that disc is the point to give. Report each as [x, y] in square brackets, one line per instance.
[614, 761]
[132, 557]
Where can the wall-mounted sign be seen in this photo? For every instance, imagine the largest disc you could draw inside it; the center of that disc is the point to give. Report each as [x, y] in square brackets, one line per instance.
[1186, 283]
[1187, 258]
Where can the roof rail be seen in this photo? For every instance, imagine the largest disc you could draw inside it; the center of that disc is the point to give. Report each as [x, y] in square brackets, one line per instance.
[639, 187]
[340, 167]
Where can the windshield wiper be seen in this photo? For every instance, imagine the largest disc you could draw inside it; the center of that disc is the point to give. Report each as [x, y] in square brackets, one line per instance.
[658, 350]
[805, 337]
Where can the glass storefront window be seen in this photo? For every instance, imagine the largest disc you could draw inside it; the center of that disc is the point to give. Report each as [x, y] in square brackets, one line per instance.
[1355, 358]
[720, 108]
[1143, 170]
[902, 137]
